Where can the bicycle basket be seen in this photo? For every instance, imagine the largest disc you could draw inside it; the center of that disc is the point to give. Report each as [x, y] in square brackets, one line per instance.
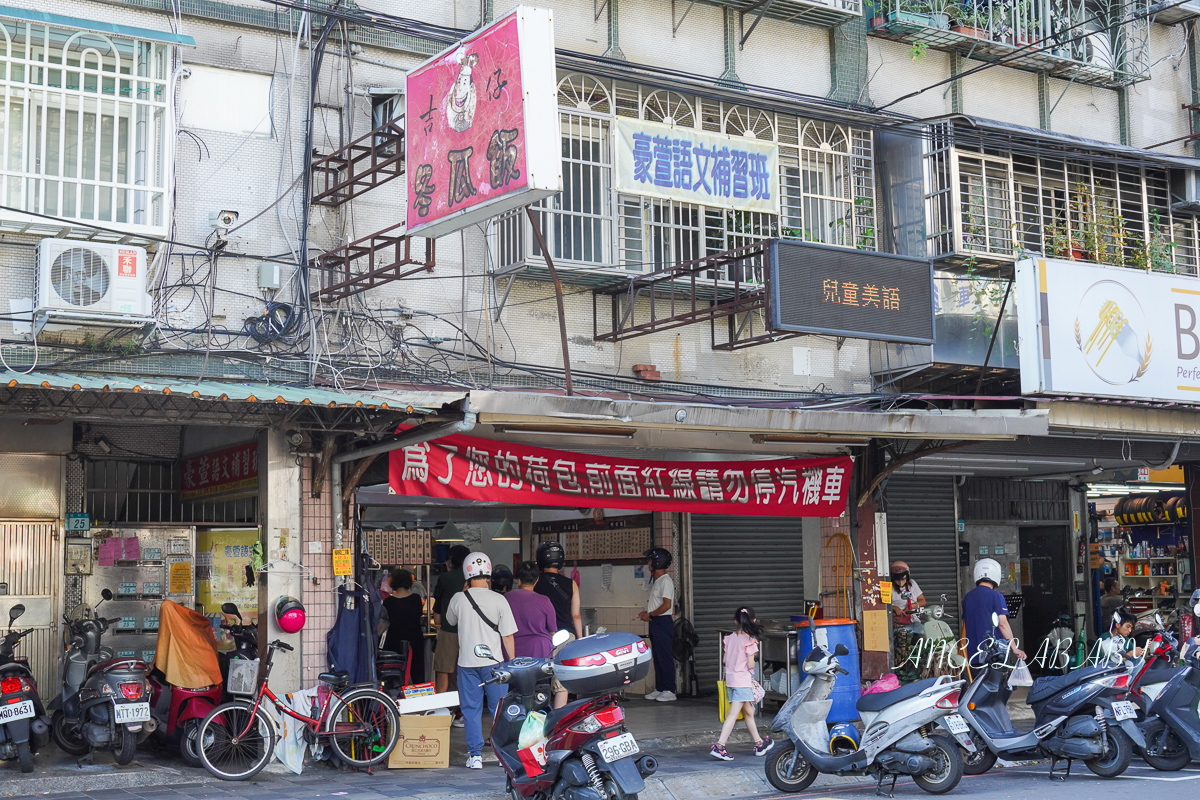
[243, 676]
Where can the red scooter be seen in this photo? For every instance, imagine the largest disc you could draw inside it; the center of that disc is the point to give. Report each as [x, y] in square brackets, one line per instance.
[181, 703]
[586, 753]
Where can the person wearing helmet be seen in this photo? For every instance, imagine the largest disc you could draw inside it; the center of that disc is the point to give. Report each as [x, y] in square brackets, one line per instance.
[564, 596]
[906, 594]
[445, 649]
[485, 638]
[659, 613]
[978, 607]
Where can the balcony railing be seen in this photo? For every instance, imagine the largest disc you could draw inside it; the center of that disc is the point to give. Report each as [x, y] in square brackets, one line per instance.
[811, 12]
[1078, 40]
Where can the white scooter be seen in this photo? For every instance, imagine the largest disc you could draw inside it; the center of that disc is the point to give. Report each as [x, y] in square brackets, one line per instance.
[893, 743]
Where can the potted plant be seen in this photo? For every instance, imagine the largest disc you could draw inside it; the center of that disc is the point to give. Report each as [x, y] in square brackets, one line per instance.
[926, 13]
[971, 20]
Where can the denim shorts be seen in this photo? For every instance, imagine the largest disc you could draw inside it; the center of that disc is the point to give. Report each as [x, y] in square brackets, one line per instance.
[738, 694]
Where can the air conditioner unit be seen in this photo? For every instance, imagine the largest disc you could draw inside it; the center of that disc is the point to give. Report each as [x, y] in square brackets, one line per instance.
[1185, 190]
[87, 290]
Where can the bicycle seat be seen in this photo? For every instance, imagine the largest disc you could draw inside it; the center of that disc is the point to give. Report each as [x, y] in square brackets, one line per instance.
[336, 679]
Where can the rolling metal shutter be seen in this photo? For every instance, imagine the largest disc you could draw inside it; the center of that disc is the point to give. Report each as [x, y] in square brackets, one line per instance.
[921, 531]
[754, 561]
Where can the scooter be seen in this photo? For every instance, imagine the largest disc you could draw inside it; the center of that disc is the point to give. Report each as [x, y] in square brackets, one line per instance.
[179, 710]
[585, 752]
[1081, 715]
[897, 739]
[1172, 726]
[24, 726]
[105, 701]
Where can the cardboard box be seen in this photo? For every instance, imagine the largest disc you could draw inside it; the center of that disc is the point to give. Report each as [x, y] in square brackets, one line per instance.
[424, 742]
[427, 702]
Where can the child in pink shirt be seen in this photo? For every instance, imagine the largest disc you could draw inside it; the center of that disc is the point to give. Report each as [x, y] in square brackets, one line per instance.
[741, 648]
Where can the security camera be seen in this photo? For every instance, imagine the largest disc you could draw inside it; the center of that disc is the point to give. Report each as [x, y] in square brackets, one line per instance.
[295, 438]
[222, 220]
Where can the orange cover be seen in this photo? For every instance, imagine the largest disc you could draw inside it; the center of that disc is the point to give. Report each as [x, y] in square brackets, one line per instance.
[186, 650]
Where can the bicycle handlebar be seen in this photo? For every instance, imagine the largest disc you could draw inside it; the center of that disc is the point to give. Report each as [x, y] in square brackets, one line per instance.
[280, 645]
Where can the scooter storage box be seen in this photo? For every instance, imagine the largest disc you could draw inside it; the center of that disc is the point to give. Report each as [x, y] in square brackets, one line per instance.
[606, 662]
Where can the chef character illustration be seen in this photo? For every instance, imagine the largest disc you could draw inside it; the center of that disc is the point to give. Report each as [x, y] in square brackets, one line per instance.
[461, 99]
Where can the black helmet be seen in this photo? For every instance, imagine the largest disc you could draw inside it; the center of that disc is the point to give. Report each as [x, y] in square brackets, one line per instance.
[502, 579]
[658, 558]
[551, 555]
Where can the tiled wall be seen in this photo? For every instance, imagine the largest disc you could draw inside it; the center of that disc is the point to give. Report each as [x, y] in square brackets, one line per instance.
[320, 599]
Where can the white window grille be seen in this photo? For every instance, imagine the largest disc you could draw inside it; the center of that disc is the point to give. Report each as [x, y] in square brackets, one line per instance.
[1001, 205]
[590, 226]
[85, 125]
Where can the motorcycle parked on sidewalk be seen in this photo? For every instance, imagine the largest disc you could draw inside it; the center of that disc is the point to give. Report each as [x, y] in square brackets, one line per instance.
[897, 739]
[181, 695]
[1172, 725]
[1082, 715]
[24, 726]
[104, 703]
[583, 750]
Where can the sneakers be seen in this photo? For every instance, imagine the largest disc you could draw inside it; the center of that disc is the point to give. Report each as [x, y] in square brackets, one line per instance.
[458, 721]
[666, 697]
[762, 747]
[653, 695]
[720, 753]
[474, 762]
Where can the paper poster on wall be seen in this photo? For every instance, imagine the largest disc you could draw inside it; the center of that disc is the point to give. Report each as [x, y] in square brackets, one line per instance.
[180, 577]
[885, 592]
[225, 554]
[342, 563]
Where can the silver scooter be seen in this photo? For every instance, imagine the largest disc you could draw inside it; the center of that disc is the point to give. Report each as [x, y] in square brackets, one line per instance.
[894, 743]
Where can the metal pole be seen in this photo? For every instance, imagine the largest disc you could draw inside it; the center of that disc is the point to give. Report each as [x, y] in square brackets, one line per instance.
[558, 297]
[992, 343]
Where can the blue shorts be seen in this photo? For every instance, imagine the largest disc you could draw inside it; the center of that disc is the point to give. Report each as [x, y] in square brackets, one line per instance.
[738, 694]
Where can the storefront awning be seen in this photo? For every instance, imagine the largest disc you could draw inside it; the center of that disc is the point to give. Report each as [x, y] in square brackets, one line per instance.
[109, 28]
[159, 399]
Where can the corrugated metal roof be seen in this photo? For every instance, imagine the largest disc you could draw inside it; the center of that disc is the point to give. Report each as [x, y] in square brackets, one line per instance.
[248, 392]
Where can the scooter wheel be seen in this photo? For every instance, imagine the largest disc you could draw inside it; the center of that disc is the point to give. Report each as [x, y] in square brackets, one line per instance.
[787, 770]
[978, 762]
[1116, 760]
[949, 770]
[25, 756]
[189, 748]
[1172, 755]
[67, 736]
[126, 747]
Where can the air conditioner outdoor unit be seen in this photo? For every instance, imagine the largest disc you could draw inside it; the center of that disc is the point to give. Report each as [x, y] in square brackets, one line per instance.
[89, 290]
[1185, 190]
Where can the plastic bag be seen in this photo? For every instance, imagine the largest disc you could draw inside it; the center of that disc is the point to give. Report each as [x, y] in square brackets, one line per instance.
[1020, 675]
[533, 730]
[887, 683]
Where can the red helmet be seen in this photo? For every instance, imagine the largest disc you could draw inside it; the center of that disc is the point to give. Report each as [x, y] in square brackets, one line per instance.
[289, 614]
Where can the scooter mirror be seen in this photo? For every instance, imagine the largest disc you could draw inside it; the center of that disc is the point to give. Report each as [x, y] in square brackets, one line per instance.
[1158, 619]
[995, 619]
[1196, 610]
[106, 594]
[231, 609]
[560, 638]
[15, 612]
[483, 651]
[938, 612]
[841, 650]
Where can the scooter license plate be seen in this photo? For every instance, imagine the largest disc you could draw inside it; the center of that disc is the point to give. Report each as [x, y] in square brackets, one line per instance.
[956, 724]
[618, 747]
[1123, 710]
[16, 711]
[132, 712]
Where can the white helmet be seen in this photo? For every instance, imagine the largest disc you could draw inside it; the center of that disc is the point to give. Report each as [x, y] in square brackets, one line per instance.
[477, 565]
[987, 569]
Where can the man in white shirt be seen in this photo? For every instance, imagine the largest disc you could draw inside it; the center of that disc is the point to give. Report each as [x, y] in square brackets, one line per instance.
[485, 634]
[660, 614]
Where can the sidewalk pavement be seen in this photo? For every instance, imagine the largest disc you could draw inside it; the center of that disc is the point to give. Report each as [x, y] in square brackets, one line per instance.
[680, 734]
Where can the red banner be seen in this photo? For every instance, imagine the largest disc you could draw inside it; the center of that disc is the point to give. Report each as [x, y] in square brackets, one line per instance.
[467, 468]
[234, 469]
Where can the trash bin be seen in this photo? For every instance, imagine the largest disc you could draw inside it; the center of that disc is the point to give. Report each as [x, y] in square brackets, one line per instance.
[847, 688]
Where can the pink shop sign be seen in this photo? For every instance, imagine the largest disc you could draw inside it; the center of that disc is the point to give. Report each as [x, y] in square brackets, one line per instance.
[481, 126]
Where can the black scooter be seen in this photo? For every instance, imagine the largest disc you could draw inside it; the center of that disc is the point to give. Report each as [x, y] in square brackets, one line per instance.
[1172, 725]
[24, 726]
[1081, 715]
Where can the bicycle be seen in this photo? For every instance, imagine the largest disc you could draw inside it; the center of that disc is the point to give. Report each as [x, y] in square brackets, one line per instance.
[237, 739]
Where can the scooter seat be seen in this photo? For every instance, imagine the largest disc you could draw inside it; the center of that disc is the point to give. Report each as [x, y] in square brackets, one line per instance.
[877, 701]
[339, 678]
[1046, 687]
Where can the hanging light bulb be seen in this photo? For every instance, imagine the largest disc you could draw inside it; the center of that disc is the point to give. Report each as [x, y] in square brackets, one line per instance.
[507, 532]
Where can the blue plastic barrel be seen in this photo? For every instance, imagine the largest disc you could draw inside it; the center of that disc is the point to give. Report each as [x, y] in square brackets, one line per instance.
[846, 689]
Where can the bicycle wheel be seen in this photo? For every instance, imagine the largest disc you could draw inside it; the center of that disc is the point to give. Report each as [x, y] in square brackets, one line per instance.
[235, 741]
[362, 727]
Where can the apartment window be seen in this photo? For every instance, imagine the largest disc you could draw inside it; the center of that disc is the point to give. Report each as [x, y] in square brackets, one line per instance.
[84, 119]
[579, 227]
